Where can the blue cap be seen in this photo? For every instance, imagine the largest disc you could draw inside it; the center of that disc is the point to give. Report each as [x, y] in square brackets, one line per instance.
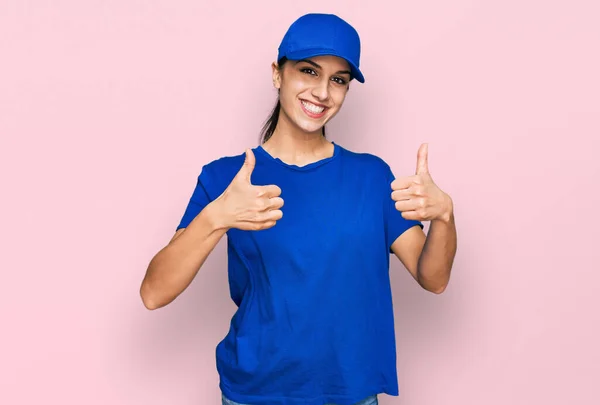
[322, 34]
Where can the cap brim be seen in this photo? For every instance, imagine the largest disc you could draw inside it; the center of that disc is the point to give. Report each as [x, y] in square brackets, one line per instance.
[308, 53]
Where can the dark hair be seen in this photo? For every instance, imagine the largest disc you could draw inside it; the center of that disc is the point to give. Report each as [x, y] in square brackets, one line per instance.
[271, 122]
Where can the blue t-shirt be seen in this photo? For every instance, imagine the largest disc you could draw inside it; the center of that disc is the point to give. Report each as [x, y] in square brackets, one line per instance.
[314, 323]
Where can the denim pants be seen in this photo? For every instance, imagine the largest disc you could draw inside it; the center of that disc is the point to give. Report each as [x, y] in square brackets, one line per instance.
[372, 400]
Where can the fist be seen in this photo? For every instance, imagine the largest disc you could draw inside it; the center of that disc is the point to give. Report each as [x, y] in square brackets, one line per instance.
[418, 197]
[249, 207]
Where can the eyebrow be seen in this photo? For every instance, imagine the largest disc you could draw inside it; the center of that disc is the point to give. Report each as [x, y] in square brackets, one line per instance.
[310, 62]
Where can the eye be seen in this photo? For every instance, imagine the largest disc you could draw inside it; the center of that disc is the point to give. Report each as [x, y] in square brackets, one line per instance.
[339, 80]
[308, 71]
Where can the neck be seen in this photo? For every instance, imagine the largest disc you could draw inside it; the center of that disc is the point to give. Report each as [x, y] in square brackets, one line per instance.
[292, 145]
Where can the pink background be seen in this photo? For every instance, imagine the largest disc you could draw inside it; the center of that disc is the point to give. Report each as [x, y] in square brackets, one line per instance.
[108, 110]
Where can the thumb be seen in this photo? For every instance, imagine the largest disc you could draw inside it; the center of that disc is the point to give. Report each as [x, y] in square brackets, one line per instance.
[248, 166]
[422, 166]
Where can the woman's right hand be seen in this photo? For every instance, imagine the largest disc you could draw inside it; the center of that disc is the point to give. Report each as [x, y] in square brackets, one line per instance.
[248, 207]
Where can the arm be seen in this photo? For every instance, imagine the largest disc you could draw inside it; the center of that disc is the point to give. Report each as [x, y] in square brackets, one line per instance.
[241, 206]
[429, 258]
[174, 267]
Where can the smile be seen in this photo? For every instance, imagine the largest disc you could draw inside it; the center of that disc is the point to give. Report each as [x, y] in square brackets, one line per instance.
[312, 110]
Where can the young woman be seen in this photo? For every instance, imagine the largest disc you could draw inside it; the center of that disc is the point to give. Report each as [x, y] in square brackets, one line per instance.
[310, 229]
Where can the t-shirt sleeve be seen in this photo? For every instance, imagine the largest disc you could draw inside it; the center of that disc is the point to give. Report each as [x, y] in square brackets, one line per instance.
[197, 202]
[396, 224]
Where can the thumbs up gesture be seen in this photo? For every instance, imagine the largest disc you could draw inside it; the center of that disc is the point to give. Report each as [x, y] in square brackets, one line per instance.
[418, 197]
[246, 206]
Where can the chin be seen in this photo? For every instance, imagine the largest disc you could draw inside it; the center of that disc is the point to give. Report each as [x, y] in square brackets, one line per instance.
[310, 126]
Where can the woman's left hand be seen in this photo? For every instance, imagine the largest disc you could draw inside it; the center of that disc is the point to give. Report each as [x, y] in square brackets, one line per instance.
[418, 197]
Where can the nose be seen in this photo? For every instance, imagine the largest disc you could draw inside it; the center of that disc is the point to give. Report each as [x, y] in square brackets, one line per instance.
[321, 90]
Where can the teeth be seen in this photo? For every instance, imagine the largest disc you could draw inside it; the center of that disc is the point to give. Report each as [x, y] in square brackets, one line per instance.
[312, 108]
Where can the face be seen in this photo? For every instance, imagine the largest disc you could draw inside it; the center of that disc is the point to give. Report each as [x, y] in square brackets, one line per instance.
[311, 91]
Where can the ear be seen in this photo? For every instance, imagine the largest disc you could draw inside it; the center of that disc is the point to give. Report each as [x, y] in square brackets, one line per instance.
[276, 75]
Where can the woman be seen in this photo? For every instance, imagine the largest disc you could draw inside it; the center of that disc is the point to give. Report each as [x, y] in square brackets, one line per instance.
[315, 322]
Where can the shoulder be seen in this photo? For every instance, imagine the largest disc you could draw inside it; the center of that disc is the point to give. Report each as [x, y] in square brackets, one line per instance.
[225, 164]
[216, 175]
[366, 161]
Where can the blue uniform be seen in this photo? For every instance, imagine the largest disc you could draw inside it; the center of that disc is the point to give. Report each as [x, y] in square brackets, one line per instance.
[315, 322]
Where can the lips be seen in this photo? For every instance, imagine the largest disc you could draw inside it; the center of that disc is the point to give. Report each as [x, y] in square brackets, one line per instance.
[313, 110]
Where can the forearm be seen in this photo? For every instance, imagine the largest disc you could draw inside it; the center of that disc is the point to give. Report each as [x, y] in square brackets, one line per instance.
[172, 269]
[435, 261]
